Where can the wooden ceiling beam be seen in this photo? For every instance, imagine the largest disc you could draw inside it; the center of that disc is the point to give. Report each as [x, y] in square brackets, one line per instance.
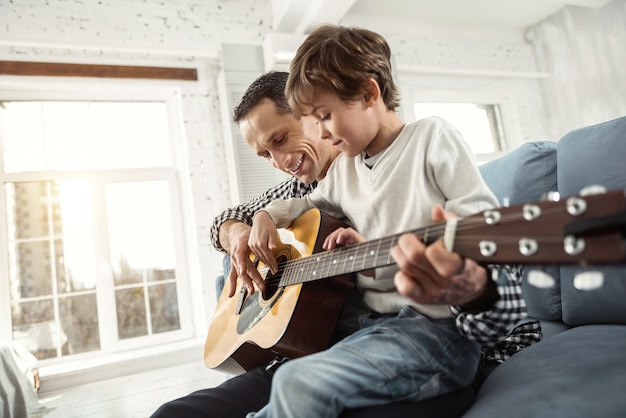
[52, 69]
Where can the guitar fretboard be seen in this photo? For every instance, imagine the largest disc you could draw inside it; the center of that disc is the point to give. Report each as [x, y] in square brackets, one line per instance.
[351, 259]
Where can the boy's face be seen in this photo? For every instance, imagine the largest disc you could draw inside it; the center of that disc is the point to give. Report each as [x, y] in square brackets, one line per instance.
[291, 145]
[349, 126]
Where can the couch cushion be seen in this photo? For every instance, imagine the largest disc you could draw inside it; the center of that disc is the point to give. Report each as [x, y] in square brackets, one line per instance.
[526, 174]
[523, 175]
[541, 287]
[602, 305]
[580, 372]
[593, 155]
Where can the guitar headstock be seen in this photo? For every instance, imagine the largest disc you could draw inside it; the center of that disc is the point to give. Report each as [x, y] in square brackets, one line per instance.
[576, 229]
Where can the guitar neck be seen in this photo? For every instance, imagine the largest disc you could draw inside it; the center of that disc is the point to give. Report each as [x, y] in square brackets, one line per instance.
[579, 229]
[351, 259]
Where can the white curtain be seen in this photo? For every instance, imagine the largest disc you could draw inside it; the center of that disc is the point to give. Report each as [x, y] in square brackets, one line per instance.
[585, 51]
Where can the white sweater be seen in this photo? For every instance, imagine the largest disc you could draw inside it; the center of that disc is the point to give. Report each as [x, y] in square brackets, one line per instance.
[427, 164]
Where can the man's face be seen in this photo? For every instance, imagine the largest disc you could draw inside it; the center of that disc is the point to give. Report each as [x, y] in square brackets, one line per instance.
[289, 144]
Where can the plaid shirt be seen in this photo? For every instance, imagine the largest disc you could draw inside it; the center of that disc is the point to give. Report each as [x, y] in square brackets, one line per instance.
[490, 328]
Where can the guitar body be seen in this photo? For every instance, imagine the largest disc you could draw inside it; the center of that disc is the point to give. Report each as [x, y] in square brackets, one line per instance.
[293, 321]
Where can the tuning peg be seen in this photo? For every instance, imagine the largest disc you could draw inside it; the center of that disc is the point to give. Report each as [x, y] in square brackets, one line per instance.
[552, 196]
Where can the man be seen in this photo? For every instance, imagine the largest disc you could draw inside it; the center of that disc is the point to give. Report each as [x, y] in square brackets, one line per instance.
[292, 144]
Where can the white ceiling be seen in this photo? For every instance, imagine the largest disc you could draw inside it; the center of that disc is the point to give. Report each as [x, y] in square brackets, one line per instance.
[507, 18]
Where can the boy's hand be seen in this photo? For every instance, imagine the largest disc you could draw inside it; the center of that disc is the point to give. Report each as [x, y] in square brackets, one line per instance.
[434, 275]
[342, 237]
[263, 237]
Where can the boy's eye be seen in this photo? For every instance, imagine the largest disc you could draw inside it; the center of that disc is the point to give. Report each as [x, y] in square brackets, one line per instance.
[325, 117]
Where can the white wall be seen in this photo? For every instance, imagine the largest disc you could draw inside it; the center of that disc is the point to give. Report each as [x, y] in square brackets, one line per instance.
[491, 72]
[585, 52]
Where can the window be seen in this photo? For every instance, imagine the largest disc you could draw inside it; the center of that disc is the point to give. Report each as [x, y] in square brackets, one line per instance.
[93, 244]
[480, 124]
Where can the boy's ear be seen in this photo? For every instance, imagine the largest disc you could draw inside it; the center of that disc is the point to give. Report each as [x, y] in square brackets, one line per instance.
[371, 92]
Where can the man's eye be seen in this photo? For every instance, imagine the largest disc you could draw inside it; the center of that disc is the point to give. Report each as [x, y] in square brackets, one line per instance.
[280, 140]
[266, 155]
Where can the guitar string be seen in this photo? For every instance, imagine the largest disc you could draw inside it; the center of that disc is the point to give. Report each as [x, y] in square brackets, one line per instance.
[311, 264]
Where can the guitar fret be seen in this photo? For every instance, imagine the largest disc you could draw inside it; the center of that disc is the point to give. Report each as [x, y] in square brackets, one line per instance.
[288, 277]
[375, 260]
[320, 266]
[313, 266]
[364, 255]
[371, 257]
[345, 260]
[335, 264]
[331, 265]
[353, 256]
[387, 250]
[284, 278]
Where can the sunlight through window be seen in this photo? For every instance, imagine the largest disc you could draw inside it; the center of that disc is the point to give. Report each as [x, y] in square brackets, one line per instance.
[479, 124]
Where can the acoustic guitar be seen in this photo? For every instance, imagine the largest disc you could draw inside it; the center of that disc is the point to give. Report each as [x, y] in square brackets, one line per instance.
[298, 312]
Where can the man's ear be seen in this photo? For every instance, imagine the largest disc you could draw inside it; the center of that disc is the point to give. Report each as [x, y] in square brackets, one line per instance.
[371, 92]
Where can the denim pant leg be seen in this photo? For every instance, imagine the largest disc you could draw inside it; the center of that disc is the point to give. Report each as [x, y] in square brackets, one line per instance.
[404, 357]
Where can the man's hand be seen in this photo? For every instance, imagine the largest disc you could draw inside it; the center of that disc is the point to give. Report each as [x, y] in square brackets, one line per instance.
[234, 237]
[263, 239]
[434, 275]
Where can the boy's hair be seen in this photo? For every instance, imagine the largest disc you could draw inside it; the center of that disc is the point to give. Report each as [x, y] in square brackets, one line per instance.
[340, 60]
[271, 86]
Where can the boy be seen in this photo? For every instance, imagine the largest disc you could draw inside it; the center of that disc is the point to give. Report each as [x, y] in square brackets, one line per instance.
[386, 181]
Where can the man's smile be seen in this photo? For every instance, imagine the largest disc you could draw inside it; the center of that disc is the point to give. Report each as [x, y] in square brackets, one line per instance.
[294, 170]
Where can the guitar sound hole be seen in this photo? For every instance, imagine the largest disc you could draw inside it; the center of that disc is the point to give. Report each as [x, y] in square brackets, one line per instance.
[272, 281]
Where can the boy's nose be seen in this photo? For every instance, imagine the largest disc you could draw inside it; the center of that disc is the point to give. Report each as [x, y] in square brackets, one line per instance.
[324, 133]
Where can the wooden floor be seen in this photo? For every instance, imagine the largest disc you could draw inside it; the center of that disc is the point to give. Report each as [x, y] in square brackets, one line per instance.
[132, 396]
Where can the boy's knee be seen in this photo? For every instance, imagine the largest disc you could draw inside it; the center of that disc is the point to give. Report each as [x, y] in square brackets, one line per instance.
[290, 375]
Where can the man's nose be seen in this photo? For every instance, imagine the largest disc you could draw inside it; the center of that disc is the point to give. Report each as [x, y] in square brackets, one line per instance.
[281, 160]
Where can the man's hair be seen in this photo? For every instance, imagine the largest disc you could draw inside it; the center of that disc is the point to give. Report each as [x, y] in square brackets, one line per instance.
[340, 60]
[271, 86]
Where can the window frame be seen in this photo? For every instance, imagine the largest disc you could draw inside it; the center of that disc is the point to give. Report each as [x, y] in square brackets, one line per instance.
[494, 118]
[445, 88]
[39, 89]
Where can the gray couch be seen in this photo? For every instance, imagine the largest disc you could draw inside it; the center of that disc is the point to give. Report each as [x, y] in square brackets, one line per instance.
[579, 367]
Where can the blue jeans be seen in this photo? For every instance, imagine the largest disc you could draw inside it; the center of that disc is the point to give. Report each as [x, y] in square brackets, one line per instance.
[404, 357]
